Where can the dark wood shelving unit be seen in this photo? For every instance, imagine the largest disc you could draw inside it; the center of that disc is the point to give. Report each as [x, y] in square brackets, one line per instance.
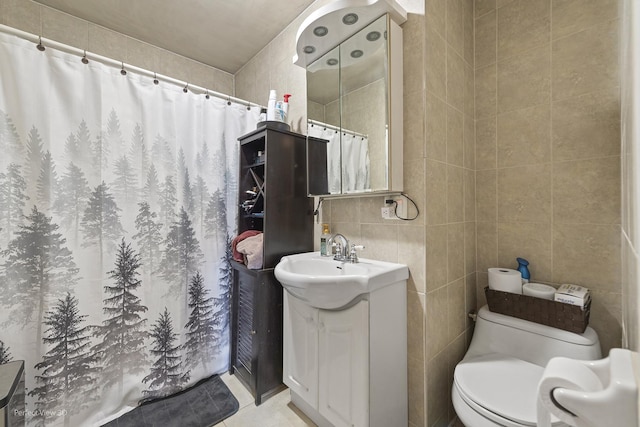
[273, 199]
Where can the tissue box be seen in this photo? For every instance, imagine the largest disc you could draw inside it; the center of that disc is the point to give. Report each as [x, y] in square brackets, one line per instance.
[573, 294]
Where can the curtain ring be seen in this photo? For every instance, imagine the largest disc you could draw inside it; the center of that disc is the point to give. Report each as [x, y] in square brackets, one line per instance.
[186, 88]
[229, 101]
[40, 46]
[155, 79]
[122, 70]
[206, 94]
[84, 58]
[248, 106]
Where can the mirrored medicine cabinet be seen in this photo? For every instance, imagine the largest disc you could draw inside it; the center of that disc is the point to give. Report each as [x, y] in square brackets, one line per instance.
[354, 97]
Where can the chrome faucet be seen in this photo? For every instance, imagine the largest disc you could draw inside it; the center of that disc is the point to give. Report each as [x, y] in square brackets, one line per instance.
[342, 252]
[342, 247]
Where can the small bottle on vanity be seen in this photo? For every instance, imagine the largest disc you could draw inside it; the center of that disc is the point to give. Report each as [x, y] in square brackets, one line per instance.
[324, 238]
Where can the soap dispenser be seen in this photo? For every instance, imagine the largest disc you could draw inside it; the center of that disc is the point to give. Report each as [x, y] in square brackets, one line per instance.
[324, 239]
[524, 269]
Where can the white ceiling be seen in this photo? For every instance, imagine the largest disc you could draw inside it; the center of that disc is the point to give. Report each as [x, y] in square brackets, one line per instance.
[224, 34]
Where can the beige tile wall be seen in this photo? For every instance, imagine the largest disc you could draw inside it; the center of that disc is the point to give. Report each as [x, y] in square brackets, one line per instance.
[49, 23]
[548, 146]
[450, 209]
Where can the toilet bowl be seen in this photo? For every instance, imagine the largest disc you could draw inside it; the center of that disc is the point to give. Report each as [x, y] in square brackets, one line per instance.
[496, 382]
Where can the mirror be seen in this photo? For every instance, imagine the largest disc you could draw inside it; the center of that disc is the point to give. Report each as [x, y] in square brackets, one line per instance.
[347, 106]
[354, 111]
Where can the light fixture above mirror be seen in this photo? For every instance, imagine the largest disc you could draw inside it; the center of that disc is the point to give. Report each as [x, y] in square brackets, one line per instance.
[335, 22]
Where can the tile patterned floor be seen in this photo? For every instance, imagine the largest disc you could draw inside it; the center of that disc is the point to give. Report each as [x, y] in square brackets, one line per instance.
[277, 411]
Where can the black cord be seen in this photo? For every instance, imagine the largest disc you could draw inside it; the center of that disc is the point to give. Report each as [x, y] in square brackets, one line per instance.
[317, 211]
[395, 210]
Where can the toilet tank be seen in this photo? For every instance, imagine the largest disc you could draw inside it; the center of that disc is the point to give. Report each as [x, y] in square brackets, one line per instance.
[533, 342]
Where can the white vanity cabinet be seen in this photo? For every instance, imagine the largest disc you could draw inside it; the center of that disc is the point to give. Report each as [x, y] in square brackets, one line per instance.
[300, 348]
[349, 367]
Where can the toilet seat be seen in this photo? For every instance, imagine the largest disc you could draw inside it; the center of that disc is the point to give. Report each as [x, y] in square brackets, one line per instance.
[501, 388]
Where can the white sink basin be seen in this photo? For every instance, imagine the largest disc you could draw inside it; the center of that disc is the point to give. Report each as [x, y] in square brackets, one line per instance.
[325, 283]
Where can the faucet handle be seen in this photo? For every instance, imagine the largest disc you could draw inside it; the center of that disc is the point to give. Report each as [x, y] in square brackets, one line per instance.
[353, 255]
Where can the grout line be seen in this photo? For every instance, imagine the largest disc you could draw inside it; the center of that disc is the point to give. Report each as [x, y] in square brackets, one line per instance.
[551, 136]
[496, 188]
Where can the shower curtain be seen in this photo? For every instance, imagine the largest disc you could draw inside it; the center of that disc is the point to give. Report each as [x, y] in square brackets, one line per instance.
[117, 205]
[347, 159]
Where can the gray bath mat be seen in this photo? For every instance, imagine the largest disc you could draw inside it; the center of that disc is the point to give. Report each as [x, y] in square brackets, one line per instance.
[205, 404]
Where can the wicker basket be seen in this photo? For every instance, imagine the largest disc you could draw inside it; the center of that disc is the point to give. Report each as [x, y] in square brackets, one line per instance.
[551, 313]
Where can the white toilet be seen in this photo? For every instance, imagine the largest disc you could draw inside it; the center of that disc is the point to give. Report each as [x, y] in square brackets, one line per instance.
[496, 382]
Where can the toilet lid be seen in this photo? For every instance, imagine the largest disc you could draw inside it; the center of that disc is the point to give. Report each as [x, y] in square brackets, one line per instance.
[502, 385]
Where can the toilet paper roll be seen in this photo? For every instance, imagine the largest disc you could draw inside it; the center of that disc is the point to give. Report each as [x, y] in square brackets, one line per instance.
[539, 290]
[505, 280]
[562, 372]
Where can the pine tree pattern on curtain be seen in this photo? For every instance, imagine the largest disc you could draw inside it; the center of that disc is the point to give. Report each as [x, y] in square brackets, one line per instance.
[116, 217]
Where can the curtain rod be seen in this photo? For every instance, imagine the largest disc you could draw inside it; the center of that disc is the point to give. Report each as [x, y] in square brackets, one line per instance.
[336, 128]
[42, 43]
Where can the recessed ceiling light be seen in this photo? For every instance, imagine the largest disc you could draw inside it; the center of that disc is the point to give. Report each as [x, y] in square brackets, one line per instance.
[332, 61]
[356, 53]
[309, 49]
[320, 31]
[373, 36]
[350, 19]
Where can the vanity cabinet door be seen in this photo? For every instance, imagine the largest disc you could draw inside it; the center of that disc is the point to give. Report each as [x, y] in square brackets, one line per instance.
[344, 365]
[301, 349]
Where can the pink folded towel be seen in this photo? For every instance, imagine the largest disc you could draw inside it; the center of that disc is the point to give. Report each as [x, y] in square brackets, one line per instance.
[237, 256]
[251, 247]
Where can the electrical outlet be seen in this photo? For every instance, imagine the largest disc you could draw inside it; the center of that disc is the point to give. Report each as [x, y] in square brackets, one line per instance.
[394, 207]
[387, 212]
